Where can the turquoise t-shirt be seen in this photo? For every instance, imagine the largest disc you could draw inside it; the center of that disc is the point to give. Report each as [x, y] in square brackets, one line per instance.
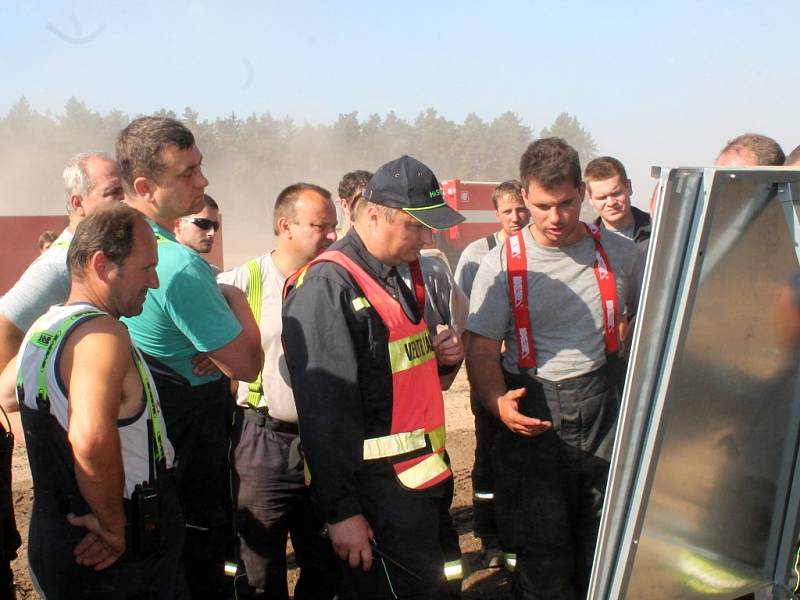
[187, 314]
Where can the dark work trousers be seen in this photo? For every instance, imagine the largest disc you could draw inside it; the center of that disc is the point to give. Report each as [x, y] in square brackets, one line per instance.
[406, 527]
[449, 541]
[273, 502]
[486, 427]
[549, 489]
[52, 541]
[198, 420]
[9, 536]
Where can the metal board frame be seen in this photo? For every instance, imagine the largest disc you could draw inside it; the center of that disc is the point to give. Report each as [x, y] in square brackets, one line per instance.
[680, 258]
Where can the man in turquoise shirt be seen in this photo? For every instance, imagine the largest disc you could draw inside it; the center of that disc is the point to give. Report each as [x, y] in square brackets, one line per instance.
[192, 332]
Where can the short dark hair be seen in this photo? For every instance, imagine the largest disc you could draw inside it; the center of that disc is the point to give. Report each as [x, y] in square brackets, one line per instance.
[793, 158]
[108, 229]
[47, 237]
[512, 187]
[287, 199]
[139, 147]
[767, 151]
[351, 187]
[550, 162]
[210, 202]
[605, 167]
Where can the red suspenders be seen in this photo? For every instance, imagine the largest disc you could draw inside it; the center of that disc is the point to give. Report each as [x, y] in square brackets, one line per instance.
[518, 292]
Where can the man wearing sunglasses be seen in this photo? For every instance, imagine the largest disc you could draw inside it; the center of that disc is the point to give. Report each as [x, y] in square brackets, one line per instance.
[199, 230]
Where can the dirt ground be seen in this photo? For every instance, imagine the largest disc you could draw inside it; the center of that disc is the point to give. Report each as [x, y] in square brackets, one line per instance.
[478, 584]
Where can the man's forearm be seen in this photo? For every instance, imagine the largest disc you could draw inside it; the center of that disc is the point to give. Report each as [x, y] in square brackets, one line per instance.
[10, 340]
[237, 300]
[484, 371]
[101, 479]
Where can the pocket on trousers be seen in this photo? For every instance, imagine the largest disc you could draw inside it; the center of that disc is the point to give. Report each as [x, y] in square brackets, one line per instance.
[530, 508]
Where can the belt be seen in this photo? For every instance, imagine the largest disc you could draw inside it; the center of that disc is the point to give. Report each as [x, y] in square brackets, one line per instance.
[261, 418]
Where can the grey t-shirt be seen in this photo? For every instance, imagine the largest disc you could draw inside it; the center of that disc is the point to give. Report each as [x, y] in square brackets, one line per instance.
[44, 283]
[563, 301]
[469, 261]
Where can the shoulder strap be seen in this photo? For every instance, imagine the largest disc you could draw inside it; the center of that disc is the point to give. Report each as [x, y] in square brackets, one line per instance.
[255, 389]
[517, 266]
[491, 241]
[419, 286]
[604, 273]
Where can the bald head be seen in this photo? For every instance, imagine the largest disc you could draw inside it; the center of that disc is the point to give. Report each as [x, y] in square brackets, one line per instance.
[751, 150]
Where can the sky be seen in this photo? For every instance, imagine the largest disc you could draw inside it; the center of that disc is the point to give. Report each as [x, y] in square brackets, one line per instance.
[654, 83]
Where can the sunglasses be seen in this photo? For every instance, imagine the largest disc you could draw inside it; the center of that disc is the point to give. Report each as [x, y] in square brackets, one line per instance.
[204, 224]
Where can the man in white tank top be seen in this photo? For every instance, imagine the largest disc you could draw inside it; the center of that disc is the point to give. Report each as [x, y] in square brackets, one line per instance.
[106, 521]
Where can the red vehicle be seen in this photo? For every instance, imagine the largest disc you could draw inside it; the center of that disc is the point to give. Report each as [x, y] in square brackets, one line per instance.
[473, 199]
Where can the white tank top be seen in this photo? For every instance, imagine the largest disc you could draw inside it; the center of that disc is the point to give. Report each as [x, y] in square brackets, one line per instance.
[132, 431]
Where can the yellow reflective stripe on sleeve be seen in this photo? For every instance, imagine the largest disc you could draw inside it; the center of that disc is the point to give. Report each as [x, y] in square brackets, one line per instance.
[394, 445]
[255, 389]
[423, 471]
[483, 496]
[360, 303]
[453, 570]
[411, 351]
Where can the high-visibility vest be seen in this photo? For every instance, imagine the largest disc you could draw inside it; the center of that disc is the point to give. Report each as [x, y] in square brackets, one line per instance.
[517, 266]
[417, 406]
[255, 389]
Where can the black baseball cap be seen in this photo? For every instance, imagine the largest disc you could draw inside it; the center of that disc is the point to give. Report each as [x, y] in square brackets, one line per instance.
[407, 184]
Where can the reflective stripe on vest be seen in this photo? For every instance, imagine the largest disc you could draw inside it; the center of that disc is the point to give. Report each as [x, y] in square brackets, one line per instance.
[255, 389]
[60, 244]
[517, 266]
[509, 561]
[453, 570]
[417, 404]
[49, 341]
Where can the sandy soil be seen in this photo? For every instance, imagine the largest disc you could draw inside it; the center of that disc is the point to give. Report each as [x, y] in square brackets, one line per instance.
[478, 584]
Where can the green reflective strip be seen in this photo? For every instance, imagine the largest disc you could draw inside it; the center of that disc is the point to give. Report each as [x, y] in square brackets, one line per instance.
[42, 339]
[161, 239]
[438, 438]
[255, 389]
[151, 406]
[52, 344]
[394, 445]
[411, 351]
[306, 473]
[509, 561]
[453, 570]
[424, 471]
[412, 210]
[60, 244]
[360, 303]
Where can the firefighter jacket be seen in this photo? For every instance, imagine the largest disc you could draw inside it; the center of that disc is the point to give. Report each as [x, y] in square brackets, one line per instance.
[364, 377]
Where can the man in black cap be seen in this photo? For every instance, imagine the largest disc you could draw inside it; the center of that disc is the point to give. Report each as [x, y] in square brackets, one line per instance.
[365, 376]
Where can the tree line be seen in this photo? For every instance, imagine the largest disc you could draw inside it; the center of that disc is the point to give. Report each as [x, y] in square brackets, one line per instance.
[248, 159]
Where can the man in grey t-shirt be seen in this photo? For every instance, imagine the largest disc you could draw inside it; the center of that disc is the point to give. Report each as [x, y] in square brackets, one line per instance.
[555, 390]
[90, 180]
